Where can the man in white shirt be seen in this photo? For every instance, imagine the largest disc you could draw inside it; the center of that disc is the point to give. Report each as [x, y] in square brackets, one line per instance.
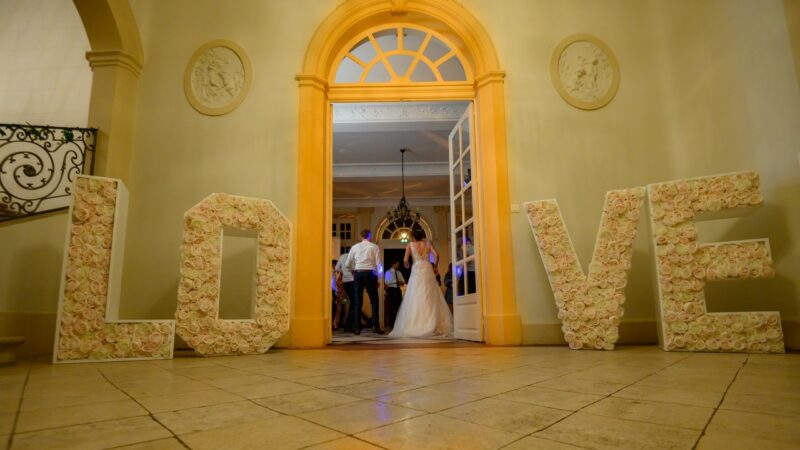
[392, 281]
[348, 283]
[364, 260]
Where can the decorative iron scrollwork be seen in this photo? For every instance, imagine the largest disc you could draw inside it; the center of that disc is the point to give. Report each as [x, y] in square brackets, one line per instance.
[38, 165]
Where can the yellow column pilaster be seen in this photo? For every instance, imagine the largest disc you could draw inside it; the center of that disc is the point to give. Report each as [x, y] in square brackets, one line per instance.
[312, 292]
[502, 321]
[115, 75]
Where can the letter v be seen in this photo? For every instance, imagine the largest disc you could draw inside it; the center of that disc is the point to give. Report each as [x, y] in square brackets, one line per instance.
[589, 306]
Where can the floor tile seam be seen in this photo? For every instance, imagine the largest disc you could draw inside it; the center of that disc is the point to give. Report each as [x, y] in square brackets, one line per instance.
[163, 394]
[229, 391]
[614, 381]
[462, 419]
[61, 427]
[643, 421]
[325, 408]
[547, 438]
[355, 432]
[520, 402]
[721, 401]
[549, 379]
[495, 397]
[492, 426]
[597, 401]
[177, 436]
[310, 411]
[97, 401]
[714, 389]
[19, 406]
[145, 442]
[374, 397]
[339, 385]
[760, 413]
[55, 394]
[149, 413]
[475, 393]
[657, 401]
[351, 436]
[169, 430]
[88, 422]
[416, 386]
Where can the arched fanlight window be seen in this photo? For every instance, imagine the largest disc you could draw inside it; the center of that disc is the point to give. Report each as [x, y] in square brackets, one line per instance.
[401, 54]
[401, 230]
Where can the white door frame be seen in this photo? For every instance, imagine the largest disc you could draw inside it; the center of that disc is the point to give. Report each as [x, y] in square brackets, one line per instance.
[467, 308]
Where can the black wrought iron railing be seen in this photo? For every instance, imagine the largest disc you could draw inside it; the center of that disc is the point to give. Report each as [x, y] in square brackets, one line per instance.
[38, 165]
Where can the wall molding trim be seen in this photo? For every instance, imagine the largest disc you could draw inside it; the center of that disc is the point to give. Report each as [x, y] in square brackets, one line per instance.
[38, 328]
[114, 58]
[390, 170]
[397, 112]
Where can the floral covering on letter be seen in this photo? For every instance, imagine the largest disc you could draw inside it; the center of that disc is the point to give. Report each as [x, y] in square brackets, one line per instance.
[83, 333]
[590, 307]
[684, 266]
[198, 321]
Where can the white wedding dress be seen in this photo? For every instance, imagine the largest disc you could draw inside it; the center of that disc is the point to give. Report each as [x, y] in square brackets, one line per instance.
[423, 312]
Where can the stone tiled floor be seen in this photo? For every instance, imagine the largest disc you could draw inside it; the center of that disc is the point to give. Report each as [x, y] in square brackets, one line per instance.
[460, 397]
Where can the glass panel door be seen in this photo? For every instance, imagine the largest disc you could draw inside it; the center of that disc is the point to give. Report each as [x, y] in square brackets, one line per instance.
[467, 304]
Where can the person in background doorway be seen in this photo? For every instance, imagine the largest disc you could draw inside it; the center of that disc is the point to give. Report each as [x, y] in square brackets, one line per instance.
[365, 262]
[335, 305]
[470, 275]
[448, 284]
[392, 282]
[346, 277]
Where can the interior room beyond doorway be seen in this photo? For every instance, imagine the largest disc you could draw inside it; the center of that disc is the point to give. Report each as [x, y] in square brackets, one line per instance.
[371, 177]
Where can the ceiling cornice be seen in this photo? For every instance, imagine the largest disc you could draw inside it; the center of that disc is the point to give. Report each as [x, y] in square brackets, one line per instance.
[386, 203]
[389, 170]
[397, 112]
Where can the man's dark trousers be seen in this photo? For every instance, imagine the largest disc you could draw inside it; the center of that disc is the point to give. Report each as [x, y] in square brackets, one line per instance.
[365, 279]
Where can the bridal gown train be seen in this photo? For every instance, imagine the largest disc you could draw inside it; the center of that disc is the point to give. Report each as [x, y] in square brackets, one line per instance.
[423, 312]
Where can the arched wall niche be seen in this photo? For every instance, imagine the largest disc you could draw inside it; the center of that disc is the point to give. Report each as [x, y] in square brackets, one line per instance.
[350, 19]
[116, 59]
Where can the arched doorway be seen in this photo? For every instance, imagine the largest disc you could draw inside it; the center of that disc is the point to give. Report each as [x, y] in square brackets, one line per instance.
[116, 58]
[482, 84]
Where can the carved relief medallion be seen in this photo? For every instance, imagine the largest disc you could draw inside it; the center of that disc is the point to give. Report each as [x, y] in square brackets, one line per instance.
[217, 78]
[584, 71]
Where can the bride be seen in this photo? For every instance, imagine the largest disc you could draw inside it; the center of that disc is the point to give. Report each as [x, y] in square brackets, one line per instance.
[423, 312]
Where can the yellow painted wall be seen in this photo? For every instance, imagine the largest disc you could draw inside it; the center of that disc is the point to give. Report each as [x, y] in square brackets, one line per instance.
[180, 155]
[791, 9]
[707, 87]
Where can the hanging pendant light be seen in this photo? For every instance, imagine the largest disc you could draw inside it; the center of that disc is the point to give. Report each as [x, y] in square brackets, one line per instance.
[401, 215]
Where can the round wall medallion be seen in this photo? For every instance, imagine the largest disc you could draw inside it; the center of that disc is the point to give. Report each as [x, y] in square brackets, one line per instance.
[217, 78]
[584, 71]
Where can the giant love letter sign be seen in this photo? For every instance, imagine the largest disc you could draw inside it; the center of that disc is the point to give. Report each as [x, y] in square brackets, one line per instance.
[684, 266]
[589, 306]
[198, 292]
[87, 325]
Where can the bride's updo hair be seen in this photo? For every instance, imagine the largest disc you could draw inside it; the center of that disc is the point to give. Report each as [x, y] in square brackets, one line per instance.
[417, 234]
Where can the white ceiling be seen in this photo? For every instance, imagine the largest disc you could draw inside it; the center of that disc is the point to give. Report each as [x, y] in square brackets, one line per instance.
[367, 138]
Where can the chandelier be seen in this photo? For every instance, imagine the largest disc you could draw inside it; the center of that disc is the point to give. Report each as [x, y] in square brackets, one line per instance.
[402, 215]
